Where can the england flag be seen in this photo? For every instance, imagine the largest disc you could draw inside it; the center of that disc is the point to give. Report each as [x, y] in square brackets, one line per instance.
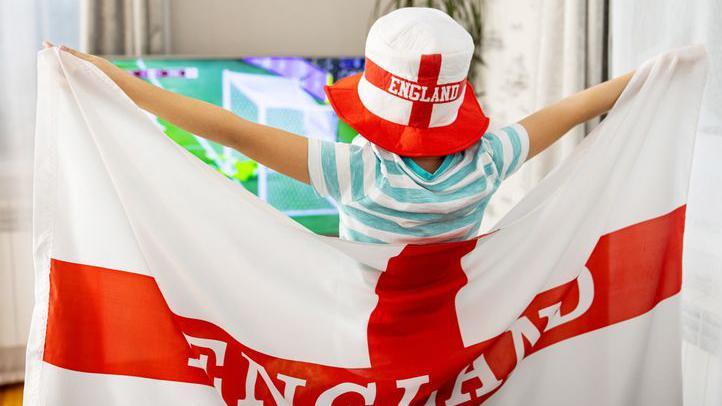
[161, 282]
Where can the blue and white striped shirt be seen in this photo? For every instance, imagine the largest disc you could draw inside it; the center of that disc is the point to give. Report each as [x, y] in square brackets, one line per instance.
[386, 198]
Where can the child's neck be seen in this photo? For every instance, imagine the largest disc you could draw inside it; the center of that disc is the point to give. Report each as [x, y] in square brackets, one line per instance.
[429, 163]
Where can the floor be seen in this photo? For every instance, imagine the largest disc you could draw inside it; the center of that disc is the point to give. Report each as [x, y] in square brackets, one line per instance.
[11, 395]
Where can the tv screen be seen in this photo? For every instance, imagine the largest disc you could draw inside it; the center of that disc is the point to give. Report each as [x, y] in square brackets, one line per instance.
[282, 92]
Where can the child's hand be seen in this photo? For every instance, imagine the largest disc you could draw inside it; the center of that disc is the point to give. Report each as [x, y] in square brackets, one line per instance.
[116, 74]
[86, 57]
[103, 64]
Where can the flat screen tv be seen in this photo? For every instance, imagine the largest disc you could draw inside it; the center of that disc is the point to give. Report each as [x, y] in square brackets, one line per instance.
[283, 92]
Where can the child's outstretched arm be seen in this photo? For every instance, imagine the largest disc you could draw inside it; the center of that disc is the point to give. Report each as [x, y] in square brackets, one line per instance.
[548, 124]
[280, 150]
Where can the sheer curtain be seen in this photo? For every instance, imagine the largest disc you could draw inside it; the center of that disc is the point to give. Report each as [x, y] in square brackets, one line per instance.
[536, 52]
[23, 24]
[641, 29]
[105, 26]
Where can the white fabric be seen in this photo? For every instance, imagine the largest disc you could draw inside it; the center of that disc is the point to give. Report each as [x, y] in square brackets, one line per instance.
[640, 29]
[115, 197]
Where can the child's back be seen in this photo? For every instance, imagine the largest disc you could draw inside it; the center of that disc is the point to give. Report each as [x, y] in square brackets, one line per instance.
[384, 197]
[413, 100]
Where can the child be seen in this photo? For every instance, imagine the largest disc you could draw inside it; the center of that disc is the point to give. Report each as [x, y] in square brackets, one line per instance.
[423, 167]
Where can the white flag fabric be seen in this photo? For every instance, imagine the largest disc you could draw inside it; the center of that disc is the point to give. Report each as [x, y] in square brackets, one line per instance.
[160, 282]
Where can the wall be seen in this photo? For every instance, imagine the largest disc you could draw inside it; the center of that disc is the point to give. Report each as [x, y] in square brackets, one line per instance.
[269, 27]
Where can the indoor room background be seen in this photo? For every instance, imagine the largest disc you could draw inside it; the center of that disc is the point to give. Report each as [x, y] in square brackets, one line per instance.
[268, 61]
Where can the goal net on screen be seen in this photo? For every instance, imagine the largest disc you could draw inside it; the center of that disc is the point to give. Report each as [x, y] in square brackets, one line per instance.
[282, 103]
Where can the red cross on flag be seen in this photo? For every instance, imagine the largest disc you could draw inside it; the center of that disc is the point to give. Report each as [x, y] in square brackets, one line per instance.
[160, 282]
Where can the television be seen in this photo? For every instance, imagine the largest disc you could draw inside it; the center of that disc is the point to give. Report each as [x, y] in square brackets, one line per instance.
[283, 92]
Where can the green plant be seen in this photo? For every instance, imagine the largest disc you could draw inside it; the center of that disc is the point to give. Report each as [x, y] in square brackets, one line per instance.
[468, 13]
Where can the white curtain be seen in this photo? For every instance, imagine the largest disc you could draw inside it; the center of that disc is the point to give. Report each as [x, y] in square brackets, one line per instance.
[23, 25]
[536, 52]
[125, 27]
[640, 29]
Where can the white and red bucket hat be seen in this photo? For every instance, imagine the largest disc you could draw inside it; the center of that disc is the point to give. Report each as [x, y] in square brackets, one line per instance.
[413, 97]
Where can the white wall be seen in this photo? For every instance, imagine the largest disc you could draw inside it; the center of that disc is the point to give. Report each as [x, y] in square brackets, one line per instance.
[269, 27]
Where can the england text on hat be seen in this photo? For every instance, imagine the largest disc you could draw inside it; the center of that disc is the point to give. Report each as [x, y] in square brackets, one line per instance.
[429, 94]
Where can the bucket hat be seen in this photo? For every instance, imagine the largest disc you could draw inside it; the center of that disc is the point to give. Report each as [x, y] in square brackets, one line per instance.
[413, 97]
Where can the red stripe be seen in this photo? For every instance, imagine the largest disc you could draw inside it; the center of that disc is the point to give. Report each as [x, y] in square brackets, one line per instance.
[115, 322]
[108, 321]
[429, 69]
[633, 269]
[414, 323]
[377, 76]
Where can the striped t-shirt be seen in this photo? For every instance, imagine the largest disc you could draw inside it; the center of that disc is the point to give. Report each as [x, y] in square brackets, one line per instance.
[385, 198]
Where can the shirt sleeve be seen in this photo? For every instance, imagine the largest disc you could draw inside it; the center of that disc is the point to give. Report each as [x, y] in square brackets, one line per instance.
[336, 169]
[508, 147]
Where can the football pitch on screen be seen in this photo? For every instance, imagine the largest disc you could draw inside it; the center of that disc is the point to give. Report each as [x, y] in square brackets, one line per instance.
[285, 93]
